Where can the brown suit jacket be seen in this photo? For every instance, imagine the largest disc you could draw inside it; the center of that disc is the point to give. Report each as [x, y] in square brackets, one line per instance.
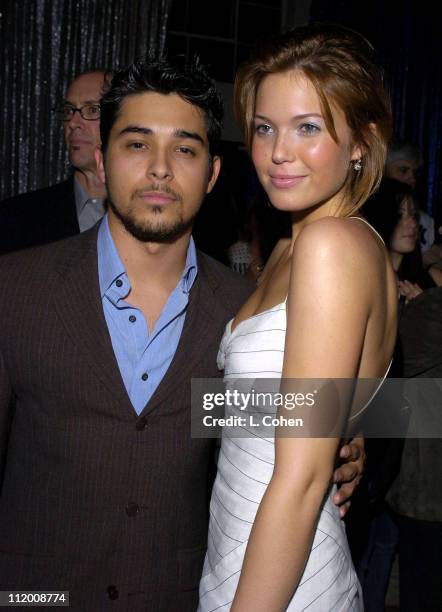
[95, 499]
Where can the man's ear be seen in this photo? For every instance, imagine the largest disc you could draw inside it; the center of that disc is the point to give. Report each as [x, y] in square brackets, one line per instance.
[99, 160]
[215, 167]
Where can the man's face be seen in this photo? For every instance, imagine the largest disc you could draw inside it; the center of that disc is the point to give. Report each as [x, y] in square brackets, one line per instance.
[82, 136]
[403, 170]
[157, 166]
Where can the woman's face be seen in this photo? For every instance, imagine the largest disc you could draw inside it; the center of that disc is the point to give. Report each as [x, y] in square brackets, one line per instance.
[298, 163]
[405, 234]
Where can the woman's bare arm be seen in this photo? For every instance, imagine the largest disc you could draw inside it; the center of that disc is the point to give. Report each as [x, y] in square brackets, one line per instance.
[328, 309]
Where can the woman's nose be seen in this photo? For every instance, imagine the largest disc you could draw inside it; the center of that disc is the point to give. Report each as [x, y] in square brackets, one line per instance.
[283, 150]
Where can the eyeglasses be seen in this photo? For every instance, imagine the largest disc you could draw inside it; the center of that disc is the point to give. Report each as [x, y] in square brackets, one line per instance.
[90, 112]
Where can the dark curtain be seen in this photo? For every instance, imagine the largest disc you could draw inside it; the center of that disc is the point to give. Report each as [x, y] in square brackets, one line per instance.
[43, 45]
[408, 37]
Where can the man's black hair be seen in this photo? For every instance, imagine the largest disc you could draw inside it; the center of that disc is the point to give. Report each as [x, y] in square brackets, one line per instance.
[189, 81]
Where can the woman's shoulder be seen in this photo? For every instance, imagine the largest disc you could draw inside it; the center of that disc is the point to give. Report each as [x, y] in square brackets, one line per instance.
[341, 252]
[346, 239]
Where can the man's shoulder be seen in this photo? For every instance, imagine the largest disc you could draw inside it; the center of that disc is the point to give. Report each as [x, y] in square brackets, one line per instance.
[35, 198]
[44, 261]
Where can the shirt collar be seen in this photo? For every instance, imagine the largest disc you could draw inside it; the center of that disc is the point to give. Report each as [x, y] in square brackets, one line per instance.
[190, 269]
[81, 197]
[111, 267]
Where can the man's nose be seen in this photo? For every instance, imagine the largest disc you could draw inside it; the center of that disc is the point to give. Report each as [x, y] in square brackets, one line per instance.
[76, 118]
[411, 178]
[159, 166]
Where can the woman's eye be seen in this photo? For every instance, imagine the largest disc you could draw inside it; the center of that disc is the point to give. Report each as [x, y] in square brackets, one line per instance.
[263, 128]
[308, 129]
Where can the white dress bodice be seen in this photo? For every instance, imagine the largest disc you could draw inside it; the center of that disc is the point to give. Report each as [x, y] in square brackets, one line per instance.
[255, 349]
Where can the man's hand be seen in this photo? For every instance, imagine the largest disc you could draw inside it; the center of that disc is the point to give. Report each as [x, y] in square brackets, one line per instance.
[349, 473]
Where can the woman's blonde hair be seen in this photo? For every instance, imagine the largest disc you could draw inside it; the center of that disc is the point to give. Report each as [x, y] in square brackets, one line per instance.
[340, 65]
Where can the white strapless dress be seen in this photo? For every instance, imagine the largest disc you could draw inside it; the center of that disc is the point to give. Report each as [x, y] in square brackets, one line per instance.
[255, 349]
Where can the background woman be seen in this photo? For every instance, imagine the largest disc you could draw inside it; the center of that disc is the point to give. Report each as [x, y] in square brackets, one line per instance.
[393, 212]
[316, 119]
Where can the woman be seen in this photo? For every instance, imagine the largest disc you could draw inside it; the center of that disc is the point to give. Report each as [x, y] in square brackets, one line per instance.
[316, 119]
[392, 211]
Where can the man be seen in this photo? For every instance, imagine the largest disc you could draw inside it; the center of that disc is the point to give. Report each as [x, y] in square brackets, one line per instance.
[104, 491]
[70, 207]
[403, 162]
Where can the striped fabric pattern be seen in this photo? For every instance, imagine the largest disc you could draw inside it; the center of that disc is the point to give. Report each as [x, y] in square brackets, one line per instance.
[255, 348]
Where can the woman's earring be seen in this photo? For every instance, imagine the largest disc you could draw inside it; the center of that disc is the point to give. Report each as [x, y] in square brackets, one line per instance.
[357, 166]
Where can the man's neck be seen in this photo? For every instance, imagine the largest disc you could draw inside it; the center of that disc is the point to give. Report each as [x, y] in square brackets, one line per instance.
[91, 183]
[158, 266]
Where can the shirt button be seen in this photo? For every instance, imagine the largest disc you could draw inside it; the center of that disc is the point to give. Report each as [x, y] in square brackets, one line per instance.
[132, 318]
[119, 283]
[132, 509]
[144, 376]
[112, 591]
[141, 424]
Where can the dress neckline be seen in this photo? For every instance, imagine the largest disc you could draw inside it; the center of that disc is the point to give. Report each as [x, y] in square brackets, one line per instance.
[258, 314]
[231, 332]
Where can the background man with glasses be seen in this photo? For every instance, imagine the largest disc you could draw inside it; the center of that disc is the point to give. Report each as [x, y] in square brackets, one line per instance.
[75, 205]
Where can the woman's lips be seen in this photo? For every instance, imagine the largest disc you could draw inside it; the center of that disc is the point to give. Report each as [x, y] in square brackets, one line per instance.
[284, 181]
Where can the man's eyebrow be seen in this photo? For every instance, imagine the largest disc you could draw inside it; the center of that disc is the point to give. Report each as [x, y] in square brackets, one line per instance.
[135, 129]
[190, 135]
[96, 102]
[179, 133]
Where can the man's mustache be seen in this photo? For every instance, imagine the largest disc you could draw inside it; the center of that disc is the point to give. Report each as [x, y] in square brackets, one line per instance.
[157, 189]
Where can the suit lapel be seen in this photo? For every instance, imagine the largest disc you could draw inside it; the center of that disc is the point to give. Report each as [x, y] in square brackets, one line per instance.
[78, 303]
[201, 326]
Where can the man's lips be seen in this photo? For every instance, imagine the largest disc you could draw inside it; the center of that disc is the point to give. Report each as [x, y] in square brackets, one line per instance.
[284, 181]
[157, 197]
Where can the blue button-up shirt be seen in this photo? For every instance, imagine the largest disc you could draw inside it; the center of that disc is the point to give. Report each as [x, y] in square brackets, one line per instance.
[143, 357]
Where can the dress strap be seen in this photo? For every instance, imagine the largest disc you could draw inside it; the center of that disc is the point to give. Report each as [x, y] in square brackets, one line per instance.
[375, 392]
[370, 226]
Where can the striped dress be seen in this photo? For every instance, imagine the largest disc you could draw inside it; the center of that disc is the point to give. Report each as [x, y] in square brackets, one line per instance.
[255, 349]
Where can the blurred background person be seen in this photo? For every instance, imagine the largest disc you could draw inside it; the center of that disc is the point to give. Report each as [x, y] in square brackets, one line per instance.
[373, 526]
[404, 161]
[392, 210]
[76, 204]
